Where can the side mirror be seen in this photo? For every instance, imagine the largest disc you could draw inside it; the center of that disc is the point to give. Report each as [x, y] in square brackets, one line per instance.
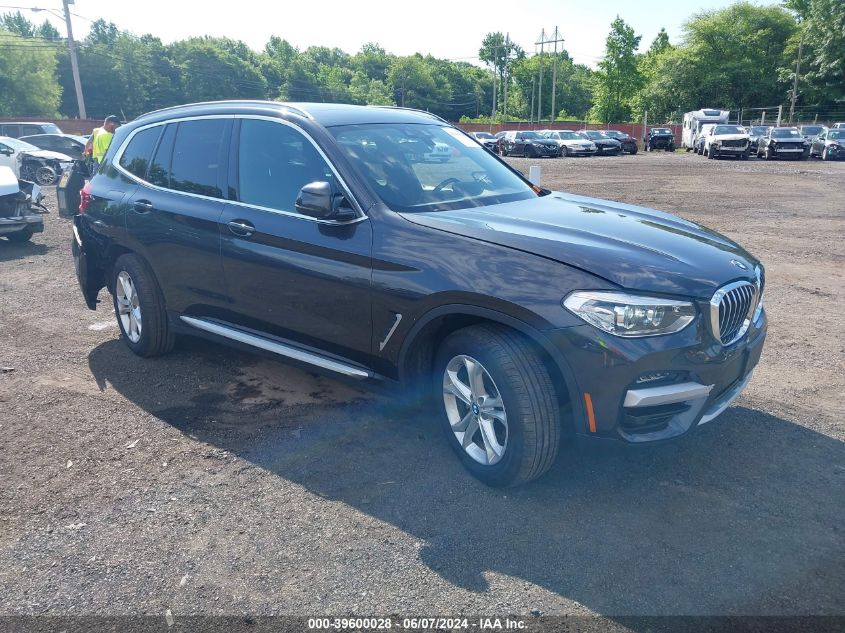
[317, 200]
[6, 151]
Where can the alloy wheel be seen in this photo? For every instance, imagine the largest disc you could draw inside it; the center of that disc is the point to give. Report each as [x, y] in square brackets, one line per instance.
[128, 306]
[475, 410]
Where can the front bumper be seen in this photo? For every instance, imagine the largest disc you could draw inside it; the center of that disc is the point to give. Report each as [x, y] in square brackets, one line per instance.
[608, 149]
[732, 150]
[703, 379]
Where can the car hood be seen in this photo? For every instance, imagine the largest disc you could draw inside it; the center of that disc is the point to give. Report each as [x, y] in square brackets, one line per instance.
[47, 154]
[635, 248]
[579, 142]
[731, 137]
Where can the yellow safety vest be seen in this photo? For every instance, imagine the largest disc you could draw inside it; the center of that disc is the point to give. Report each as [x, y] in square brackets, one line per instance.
[100, 141]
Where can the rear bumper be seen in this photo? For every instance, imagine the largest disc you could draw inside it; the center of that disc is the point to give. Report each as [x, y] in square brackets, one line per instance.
[33, 222]
[619, 398]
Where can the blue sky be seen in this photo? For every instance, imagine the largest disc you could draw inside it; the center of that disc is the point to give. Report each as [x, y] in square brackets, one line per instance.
[445, 29]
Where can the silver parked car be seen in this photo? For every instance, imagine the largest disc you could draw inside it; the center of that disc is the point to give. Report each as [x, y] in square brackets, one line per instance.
[570, 143]
[829, 145]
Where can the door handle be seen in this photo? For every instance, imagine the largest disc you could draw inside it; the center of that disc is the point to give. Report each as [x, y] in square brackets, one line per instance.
[241, 227]
[142, 206]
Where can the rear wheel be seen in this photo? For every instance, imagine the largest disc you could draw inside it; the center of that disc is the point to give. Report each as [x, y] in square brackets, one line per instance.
[564, 153]
[500, 407]
[20, 236]
[139, 307]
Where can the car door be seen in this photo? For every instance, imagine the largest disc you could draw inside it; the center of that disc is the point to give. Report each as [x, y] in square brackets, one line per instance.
[7, 157]
[290, 275]
[172, 215]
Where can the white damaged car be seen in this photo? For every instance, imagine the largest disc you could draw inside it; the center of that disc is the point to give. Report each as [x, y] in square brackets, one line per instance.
[727, 140]
[20, 218]
[31, 163]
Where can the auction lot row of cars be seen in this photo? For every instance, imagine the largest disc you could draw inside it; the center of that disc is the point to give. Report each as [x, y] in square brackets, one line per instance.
[771, 142]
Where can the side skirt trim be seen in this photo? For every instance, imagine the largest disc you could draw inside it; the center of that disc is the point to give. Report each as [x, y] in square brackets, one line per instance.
[275, 347]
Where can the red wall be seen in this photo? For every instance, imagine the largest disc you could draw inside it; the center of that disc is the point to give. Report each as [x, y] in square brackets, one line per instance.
[634, 129]
[68, 126]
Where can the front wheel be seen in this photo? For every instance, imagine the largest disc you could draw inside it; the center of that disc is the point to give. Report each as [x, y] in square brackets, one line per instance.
[633, 150]
[139, 307]
[500, 405]
[825, 154]
[564, 153]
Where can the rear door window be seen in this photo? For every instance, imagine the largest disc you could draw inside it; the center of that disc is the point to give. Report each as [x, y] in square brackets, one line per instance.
[29, 130]
[136, 157]
[199, 157]
[159, 171]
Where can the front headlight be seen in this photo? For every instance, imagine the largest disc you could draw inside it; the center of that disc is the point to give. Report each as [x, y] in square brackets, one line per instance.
[630, 315]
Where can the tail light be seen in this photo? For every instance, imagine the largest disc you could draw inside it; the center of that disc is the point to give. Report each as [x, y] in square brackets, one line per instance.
[85, 197]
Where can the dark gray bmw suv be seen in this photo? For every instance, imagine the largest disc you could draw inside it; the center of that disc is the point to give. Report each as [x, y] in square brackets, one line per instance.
[324, 234]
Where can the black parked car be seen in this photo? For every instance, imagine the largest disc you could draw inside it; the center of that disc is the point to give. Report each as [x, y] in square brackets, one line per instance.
[783, 142]
[829, 145]
[66, 144]
[529, 145]
[628, 142]
[659, 138]
[317, 232]
[604, 144]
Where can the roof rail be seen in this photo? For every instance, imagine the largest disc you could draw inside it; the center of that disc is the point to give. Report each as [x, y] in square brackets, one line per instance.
[286, 106]
[434, 116]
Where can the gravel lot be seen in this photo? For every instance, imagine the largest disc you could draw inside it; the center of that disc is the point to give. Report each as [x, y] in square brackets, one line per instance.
[214, 482]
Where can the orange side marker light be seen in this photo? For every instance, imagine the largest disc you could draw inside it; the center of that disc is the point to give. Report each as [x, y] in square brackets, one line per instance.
[591, 416]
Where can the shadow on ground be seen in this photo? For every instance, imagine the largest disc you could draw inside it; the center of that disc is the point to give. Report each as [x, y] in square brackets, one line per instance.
[745, 517]
[15, 250]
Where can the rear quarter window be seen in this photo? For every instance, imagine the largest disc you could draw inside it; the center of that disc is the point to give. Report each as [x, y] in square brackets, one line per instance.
[136, 157]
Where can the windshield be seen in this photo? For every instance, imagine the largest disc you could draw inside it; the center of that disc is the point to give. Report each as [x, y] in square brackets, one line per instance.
[613, 134]
[757, 130]
[571, 136]
[836, 134]
[395, 160]
[729, 129]
[18, 145]
[661, 130]
[528, 135]
[785, 133]
[812, 130]
[483, 135]
[51, 128]
[593, 134]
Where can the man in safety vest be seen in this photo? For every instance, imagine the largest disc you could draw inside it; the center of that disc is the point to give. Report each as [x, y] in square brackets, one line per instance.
[101, 137]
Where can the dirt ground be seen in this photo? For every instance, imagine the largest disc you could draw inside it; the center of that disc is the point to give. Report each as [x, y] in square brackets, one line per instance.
[214, 482]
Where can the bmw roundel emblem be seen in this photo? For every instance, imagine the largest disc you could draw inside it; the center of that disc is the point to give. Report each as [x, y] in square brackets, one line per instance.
[739, 264]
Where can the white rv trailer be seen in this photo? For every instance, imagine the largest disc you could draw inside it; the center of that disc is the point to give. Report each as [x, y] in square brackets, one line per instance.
[694, 120]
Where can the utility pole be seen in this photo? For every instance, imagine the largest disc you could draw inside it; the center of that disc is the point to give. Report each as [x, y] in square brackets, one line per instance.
[495, 81]
[540, 85]
[780, 115]
[797, 74]
[557, 39]
[74, 64]
[533, 91]
[505, 76]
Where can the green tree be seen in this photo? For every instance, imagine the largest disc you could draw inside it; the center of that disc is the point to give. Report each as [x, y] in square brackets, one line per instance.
[16, 23]
[618, 77]
[823, 28]
[28, 84]
[653, 97]
[497, 54]
[218, 68]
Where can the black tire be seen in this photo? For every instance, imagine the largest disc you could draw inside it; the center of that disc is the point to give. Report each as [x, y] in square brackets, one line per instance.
[767, 154]
[20, 237]
[825, 154]
[156, 336]
[529, 397]
[670, 148]
[564, 153]
[633, 150]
